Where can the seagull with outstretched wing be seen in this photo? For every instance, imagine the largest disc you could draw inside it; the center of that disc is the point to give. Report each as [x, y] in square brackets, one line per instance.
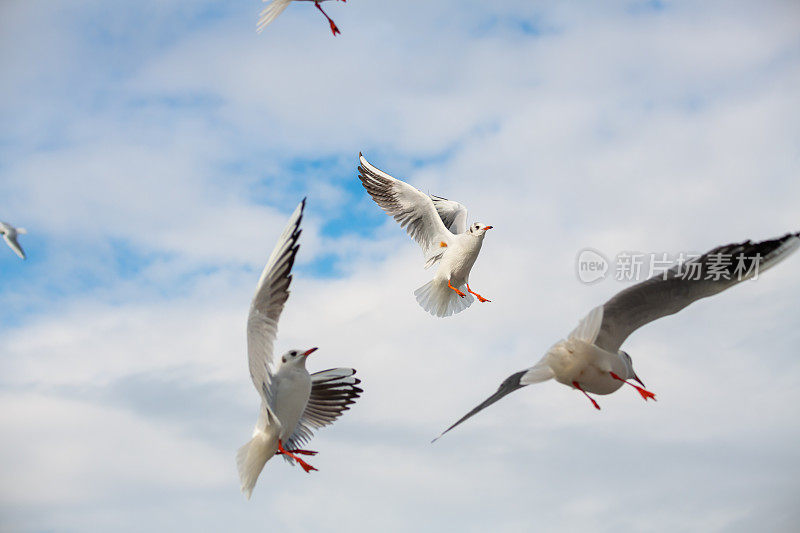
[276, 7]
[440, 227]
[293, 402]
[10, 234]
[590, 359]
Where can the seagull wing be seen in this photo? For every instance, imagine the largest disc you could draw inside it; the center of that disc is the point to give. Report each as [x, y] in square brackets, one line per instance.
[413, 209]
[269, 13]
[332, 393]
[536, 374]
[11, 240]
[705, 276]
[452, 213]
[265, 310]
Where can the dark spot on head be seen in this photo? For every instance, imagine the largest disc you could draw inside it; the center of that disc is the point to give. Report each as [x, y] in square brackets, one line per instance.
[283, 359]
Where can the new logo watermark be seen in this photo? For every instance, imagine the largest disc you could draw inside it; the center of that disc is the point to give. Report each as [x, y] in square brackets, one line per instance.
[592, 266]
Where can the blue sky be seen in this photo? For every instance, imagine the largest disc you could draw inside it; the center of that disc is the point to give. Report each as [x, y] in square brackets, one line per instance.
[154, 150]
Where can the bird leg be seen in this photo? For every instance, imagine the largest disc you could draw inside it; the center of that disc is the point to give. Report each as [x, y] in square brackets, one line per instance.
[646, 394]
[301, 452]
[282, 451]
[334, 29]
[577, 386]
[480, 298]
[457, 291]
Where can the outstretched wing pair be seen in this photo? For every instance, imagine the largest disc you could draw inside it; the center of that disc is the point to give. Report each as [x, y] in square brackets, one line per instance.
[662, 295]
[428, 219]
[332, 391]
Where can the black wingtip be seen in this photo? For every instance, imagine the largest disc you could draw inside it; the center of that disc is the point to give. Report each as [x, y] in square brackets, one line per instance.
[509, 385]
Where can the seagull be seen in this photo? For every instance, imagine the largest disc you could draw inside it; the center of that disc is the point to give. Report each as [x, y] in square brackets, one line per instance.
[440, 227]
[276, 7]
[589, 360]
[9, 234]
[293, 402]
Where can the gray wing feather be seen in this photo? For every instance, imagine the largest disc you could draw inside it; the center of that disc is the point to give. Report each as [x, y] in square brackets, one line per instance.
[412, 208]
[666, 294]
[452, 213]
[509, 385]
[332, 393]
[271, 294]
[11, 240]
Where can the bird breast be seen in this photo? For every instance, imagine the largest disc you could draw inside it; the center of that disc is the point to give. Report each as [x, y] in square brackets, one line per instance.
[293, 391]
[460, 257]
[576, 360]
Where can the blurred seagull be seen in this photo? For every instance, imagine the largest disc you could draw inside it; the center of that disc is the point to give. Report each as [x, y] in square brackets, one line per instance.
[276, 7]
[440, 227]
[293, 402]
[9, 234]
[590, 360]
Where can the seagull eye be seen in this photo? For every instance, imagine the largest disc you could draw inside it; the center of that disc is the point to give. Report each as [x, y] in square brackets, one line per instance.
[293, 353]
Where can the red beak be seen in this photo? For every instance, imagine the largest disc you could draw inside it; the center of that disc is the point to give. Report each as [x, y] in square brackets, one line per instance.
[487, 227]
[309, 352]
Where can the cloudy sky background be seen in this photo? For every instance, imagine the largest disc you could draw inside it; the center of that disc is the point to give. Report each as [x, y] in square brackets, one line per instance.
[154, 151]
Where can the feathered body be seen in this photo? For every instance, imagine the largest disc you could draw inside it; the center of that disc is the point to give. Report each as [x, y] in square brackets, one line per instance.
[291, 397]
[590, 359]
[575, 360]
[294, 403]
[440, 228]
[10, 234]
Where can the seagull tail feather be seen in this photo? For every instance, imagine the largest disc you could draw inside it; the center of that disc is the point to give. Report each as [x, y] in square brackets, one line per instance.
[440, 300]
[251, 458]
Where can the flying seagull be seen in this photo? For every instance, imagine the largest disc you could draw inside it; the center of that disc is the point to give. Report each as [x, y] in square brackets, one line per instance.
[440, 227]
[276, 7]
[293, 402]
[9, 234]
[590, 360]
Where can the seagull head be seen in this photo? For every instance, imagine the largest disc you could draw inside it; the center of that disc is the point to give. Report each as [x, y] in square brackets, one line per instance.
[296, 357]
[629, 367]
[478, 229]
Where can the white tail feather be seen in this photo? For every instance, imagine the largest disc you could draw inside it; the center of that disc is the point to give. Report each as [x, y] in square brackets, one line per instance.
[440, 300]
[251, 458]
[269, 13]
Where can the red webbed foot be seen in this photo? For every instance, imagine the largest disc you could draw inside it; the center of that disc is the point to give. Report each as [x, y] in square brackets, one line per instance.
[334, 29]
[305, 452]
[291, 453]
[480, 298]
[307, 467]
[646, 394]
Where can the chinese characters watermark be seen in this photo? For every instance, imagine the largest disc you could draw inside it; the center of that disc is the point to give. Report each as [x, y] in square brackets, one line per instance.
[592, 266]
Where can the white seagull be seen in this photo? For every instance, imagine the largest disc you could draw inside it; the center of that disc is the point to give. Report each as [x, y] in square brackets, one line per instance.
[440, 227]
[9, 234]
[276, 7]
[293, 402]
[590, 360]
